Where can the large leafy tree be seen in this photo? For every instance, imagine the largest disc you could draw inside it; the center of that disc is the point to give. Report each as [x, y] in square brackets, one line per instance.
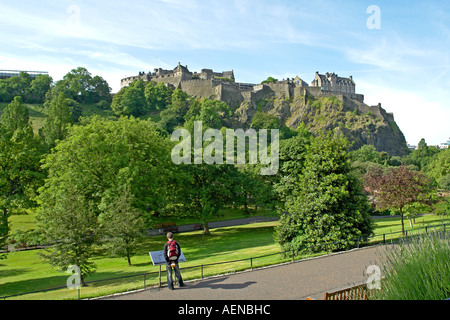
[79, 85]
[20, 153]
[130, 101]
[398, 189]
[208, 188]
[101, 156]
[158, 95]
[39, 87]
[327, 207]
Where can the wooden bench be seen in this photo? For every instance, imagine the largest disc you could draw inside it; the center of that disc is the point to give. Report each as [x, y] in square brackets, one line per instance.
[352, 293]
[166, 227]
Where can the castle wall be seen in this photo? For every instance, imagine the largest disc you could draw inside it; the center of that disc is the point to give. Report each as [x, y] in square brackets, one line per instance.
[199, 88]
[281, 89]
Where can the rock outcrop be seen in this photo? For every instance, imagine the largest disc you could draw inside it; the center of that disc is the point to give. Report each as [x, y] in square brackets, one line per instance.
[318, 110]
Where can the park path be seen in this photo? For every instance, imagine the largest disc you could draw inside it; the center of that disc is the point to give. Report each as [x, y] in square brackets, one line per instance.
[293, 281]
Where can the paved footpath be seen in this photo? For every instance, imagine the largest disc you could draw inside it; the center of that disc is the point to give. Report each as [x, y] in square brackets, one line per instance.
[293, 281]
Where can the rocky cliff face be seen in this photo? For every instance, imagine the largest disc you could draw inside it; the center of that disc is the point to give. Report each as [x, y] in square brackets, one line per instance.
[360, 123]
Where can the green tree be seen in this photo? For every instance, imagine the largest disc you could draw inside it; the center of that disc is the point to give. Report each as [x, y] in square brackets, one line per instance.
[367, 153]
[101, 155]
[101, 90]
[263, 120]
[207, 189]
[269, 80]
[422, 156]
[122, 224]
[212, 113]
[57, 122]
[130, 101]
[439, 167]
[75, 85]
[292, 159]
[327, 207]
[20, 153]
[70, 225]
[39, 87]
[175, 113]
[79, 85]
[158, 95]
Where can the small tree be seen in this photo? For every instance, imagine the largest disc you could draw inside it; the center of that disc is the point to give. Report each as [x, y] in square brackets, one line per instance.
[397, 189]
[20, 153]
[58, 120]
[123, 225]
[70, 224]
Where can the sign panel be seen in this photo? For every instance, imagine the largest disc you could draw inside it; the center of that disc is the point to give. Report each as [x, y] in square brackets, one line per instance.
[158, 258]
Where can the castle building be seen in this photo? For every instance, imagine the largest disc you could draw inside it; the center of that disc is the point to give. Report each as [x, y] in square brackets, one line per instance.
[332, 82]
[222, 85]
[178, 75]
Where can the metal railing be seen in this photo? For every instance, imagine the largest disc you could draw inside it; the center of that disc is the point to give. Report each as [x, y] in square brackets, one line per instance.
[287, 256]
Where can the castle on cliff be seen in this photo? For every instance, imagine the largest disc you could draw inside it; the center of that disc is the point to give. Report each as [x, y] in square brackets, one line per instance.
[222, 85]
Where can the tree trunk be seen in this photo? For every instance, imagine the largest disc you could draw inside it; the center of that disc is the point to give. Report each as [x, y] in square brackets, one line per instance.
[128, 253]
[403, 224]
[128, 258]
[206, 229]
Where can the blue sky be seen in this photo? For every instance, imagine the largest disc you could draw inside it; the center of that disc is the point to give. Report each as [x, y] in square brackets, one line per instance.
[404, 64]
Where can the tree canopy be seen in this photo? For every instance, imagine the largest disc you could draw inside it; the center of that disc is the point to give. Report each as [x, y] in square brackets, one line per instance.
[327, 208]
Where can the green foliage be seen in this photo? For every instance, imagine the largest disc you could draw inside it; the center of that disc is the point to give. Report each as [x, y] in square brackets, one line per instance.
[57, 122]
[263, 120]
[158, 95]
[130, 101]
[87, 174]
[80, 86]
[20, 153]
[208, 188]
[212, 113]
[101, 155]
[327, 206]
[29, 89]
[70, 225]
[270, 80]
[444, 182]
[367, 153]
[122, 225]
[439, 168]
[292, 159]
[422, 156]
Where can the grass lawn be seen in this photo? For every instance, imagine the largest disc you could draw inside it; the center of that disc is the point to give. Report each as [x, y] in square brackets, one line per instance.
[25, 272]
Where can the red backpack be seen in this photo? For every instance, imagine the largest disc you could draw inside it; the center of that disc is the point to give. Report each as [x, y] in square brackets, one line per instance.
[172, 251]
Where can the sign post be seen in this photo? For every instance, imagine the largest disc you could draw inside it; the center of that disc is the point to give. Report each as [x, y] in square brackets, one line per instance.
[158, 260]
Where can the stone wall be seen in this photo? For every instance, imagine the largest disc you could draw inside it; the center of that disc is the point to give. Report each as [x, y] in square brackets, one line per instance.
[199, 88]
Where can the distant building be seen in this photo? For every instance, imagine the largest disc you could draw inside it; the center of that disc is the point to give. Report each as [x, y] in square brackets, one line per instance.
[5, 74]
[179, 75]
[223, 85]
[445, 145]
[332, 82]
